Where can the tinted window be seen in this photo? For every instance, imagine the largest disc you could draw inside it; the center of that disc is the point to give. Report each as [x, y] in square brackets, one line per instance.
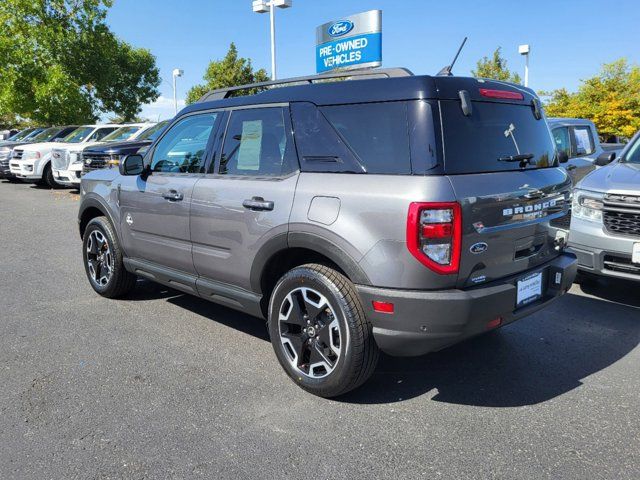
[121, 134]
[46, 135]
[493, 132]
[78, 135]
[153, 132]
[584, 141]
[561, 139]
[633, 155]
[255, 143]
[376, 132]
[183, 147]
[101, 133]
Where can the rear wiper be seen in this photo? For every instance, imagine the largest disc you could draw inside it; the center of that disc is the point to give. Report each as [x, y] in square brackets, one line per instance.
[523, 158]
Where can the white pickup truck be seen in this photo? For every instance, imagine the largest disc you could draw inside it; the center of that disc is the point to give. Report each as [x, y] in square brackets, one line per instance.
[33, 162]
[67, 159]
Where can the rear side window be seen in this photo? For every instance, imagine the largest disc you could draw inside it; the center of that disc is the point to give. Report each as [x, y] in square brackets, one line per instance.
[377, 133]
[494, 133]
[561, 138]
[584, 141]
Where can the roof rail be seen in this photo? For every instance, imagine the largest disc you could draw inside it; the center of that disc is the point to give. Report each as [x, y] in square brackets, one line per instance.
[223, 93]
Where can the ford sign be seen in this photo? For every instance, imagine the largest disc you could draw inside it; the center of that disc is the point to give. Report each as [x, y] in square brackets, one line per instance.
[479, 247]
[340, 28]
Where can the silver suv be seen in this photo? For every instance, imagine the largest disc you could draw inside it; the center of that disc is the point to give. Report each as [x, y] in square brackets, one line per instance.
[605, 227]
[389, 212]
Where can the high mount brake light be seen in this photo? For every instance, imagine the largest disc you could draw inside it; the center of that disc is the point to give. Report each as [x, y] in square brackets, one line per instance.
[434, 235]
[504, 94]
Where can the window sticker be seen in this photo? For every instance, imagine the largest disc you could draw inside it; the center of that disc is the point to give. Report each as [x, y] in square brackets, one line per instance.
[250, 145]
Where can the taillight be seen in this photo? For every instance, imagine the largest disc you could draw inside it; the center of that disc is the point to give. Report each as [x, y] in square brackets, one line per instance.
[434, 234]
[505, 94]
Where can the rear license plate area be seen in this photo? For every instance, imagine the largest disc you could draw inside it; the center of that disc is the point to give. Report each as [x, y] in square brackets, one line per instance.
[529, 289]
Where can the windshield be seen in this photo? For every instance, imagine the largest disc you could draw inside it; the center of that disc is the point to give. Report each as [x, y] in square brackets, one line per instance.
[121, 134]
[32, 134]
[20, 135]
[78, 135]
[46, 135]
[495, 137]
[633, 155]
[153, 132]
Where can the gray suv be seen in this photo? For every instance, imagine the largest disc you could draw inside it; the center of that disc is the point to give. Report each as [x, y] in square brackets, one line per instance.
[389, 212]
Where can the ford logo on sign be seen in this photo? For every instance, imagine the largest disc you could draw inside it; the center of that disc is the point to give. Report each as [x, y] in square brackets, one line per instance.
[340, 28]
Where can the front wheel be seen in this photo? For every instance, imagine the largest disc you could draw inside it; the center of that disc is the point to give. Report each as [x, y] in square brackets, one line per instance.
[103, 260]
[47, 177]
[319, 332]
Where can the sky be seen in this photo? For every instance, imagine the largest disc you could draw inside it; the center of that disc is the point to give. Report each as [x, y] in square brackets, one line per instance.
[569, 39]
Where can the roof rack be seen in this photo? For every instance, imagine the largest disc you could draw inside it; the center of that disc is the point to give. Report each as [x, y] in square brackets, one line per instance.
[223, 93]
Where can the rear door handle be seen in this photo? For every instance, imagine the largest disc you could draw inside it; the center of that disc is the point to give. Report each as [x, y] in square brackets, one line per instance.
[173, 196]
[258, 203]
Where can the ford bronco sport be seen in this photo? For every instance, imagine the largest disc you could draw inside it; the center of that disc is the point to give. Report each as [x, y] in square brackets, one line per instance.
[402, 214]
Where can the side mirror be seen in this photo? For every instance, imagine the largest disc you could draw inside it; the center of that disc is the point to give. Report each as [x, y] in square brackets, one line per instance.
[131, 165]
[563, 157]
[605, 159]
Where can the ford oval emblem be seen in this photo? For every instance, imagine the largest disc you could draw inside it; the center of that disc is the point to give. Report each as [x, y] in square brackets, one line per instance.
[479, 247]
[340, 28]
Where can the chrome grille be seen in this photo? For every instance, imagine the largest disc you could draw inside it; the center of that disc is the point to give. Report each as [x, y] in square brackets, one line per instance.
[17, 153]
[94, 161]
[622, 214]
[60, 159]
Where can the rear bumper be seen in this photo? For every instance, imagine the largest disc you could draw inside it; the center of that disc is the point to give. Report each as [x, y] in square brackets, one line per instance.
[426, 321]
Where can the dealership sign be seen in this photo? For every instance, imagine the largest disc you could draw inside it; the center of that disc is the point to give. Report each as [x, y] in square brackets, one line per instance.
[352, 42]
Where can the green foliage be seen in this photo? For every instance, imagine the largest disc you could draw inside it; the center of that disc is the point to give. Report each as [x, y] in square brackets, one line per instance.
[495, 68]
[61, 64]
[228, 72]
[611, 100]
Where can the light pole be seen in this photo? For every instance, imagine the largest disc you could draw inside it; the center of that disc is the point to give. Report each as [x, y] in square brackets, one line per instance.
[264, 6]
[176, 73]
[525, 50]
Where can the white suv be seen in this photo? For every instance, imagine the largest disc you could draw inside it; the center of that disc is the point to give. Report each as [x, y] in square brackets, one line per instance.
[33, 162]
[67, 160]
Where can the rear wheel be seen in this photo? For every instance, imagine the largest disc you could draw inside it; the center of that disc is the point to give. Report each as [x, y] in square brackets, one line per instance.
[103, 260]
[47, 177]
[319, 331]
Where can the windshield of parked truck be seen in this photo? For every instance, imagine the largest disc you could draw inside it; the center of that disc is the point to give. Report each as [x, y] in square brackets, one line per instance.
[78, 135]
[154, 132]
[20, 135]
[121, 134]
[633, 155]
[494, 137]
[46, 135]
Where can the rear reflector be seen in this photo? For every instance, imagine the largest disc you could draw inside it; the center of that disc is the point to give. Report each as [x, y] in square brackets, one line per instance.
[382, 307]
[495, 323]
[505, 94]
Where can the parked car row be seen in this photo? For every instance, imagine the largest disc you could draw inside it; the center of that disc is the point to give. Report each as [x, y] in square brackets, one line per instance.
[54, 156]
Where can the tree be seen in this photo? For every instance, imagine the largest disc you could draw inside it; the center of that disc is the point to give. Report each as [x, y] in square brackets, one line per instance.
[611, 100]
[231, 71]
[61, 64]
[495, 68]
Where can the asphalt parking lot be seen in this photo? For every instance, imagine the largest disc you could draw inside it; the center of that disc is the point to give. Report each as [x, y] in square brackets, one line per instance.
[163, 385]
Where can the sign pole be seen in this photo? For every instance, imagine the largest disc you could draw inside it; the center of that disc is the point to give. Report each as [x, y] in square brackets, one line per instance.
[272, 13]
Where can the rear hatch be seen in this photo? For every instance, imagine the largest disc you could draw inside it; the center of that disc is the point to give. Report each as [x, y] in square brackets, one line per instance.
[499, 156]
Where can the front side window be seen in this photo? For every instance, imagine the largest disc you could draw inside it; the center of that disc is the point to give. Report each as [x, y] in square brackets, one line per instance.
[182, 149]
[584, 141]
[255, 143]
[561, 139]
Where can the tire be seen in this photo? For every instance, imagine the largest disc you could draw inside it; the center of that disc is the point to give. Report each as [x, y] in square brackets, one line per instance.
[47, 177]
[103, 265]
[323, 326]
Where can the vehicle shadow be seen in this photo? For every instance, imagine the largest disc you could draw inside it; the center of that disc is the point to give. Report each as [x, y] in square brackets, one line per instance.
[614, 290]
[528, 362]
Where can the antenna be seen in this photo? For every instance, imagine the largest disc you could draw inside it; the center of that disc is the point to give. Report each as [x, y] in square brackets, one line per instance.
[446, 71]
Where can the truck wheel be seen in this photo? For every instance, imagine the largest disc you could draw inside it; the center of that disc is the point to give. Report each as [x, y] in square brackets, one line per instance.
[102, 258]
[47, 176]
[319, 331]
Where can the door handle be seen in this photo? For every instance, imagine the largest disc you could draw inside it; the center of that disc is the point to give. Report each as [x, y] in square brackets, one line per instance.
[173, 196]
[258, 203]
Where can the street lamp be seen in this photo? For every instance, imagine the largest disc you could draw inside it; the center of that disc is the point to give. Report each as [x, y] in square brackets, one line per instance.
[524, 50]
[176, 73]
[264, 6]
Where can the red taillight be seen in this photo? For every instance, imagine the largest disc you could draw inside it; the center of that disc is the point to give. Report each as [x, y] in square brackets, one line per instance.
[382, 307]
[495, 323]
[505, 94]
[434, 234]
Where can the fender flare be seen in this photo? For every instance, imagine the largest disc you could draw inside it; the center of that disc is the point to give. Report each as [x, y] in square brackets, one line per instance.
[311, 242]
[94, 201]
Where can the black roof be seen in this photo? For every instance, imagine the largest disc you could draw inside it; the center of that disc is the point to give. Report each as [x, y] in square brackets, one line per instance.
[362, 90]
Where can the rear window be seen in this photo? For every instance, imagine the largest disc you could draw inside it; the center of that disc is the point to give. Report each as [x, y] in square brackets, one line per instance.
[377, 133]
[492, 135]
